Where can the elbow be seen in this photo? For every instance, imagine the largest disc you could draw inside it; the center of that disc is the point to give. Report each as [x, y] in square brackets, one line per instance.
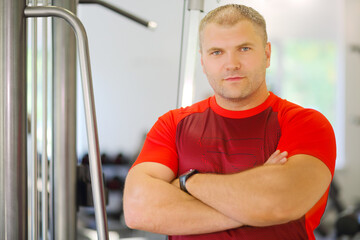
[130, 221]
[283, 209]
[133, 208]
[131, 218]
[136, 216]
[284, 214]
[130, 214]
[273, 214]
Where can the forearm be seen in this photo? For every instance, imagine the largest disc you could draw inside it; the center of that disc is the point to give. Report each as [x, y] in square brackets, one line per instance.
[245, 200]
[262, 196]
[157, 206]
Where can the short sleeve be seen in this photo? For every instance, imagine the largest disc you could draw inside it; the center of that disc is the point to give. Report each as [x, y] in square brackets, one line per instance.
[307, 131]
[159, 145]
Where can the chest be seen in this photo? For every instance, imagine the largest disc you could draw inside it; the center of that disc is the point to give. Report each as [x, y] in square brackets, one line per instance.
[212, 143]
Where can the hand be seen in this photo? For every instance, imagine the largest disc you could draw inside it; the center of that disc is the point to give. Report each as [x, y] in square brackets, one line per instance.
[277, 158]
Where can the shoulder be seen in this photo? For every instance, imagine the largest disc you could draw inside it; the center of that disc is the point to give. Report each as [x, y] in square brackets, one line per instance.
[159, 146]
[306, 131]
[291, 113]
[176, 115]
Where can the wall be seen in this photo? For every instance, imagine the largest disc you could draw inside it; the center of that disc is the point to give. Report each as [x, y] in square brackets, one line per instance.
[349, 177]
[135, 70]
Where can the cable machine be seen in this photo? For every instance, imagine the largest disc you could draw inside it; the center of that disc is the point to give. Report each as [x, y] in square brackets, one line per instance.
[60, 221]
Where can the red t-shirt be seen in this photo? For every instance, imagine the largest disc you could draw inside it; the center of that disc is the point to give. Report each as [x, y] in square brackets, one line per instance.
[209, 138]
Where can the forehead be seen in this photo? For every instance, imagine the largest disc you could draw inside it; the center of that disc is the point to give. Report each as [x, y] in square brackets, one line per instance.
[215, 35]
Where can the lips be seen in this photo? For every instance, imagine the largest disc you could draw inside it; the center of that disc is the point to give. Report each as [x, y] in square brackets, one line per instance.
[234, 78]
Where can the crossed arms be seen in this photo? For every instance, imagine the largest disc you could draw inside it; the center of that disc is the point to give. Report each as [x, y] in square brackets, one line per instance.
[277, 192]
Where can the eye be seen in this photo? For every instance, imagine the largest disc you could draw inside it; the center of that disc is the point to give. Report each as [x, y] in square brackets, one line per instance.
[244, 49]
[215, 53]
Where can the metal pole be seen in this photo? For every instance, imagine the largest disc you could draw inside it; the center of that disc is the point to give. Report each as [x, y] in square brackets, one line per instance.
[90, 113]
[195, 7]
[13, 197]
[64, 127]
[34, 157]
[44, 160]
[2, 120]
[145, 23]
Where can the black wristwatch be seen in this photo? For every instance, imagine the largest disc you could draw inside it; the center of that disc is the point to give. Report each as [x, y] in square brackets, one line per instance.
[184, 177]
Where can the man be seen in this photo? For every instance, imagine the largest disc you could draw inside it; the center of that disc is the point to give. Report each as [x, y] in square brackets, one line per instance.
[251, 165]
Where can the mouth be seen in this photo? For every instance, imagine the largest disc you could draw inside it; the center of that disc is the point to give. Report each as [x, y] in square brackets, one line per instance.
[233, 78]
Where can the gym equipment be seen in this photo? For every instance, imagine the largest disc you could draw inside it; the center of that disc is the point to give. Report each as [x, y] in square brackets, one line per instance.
[347, 223]
[60, 220]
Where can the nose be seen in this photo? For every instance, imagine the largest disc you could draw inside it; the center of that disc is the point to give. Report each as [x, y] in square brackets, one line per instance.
[232, 62]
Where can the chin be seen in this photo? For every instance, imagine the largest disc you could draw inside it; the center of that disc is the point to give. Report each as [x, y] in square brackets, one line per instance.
[236, 96]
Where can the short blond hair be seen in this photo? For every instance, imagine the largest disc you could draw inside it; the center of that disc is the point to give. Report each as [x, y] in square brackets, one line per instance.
[231, 14]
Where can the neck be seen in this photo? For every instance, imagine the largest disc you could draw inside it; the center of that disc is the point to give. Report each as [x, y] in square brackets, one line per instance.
[241, 104]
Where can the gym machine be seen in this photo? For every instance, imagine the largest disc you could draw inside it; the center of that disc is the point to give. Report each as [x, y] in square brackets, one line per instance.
[14, 142]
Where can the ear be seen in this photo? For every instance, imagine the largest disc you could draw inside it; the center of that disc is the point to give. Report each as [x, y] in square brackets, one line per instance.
[268, 54]
[202, 61]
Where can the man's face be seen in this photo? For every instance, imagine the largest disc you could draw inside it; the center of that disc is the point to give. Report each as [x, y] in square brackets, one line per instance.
[234, 60]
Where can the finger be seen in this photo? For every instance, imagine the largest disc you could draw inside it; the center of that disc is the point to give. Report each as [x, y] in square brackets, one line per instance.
[273, 156]
[276, 153]
[284, 160]
[284, 153]
[280, 156]
[277, 157]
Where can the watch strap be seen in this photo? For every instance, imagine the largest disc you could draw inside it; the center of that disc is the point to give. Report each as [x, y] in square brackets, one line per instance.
[184, 177]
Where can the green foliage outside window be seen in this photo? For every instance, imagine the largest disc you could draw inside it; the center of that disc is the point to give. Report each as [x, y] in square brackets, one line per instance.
[307, 73]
